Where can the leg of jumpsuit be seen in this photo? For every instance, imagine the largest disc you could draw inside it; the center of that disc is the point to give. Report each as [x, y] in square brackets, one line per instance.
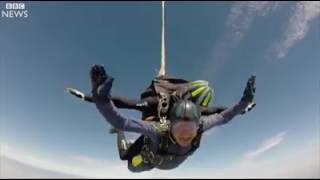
[123, 147]
[140, 168]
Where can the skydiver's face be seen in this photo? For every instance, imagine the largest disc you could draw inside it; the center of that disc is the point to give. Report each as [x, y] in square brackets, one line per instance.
[184, 132]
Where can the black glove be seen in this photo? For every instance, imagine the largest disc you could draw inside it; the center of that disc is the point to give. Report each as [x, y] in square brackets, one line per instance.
[100, 81]
[249, 93]
[98, 75]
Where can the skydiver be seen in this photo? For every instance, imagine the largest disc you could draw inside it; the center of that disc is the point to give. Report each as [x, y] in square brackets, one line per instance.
[165, 144]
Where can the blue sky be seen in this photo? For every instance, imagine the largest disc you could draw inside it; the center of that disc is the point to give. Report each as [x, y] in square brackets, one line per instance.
[222, 42]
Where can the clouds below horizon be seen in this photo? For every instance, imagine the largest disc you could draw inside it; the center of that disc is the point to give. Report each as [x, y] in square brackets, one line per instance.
[298, 163]
[267, 145]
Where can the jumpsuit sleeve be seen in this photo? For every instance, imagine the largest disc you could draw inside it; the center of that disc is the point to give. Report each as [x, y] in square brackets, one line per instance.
[88, 98]
[108, 110]
[124, 103]
[211, 110]
[239, 108]
[224, 117]
[137, 104]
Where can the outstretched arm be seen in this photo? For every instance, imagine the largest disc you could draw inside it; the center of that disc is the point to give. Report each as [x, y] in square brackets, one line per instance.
[224, 117]
[211, 110]
[119, 101]
[105, 105]
[228, 114]
[80, 95]
[108, 110]
[123, 102]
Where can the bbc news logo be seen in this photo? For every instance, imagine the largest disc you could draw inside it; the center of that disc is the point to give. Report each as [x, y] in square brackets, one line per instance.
[15, 10]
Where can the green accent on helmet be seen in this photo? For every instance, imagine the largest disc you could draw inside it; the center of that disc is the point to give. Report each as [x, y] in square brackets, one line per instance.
[201, 92]
[199, 82]
[207, 99]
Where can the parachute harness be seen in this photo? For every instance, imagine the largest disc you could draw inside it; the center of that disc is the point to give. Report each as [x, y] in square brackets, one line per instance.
[147, 152]
[163, 107]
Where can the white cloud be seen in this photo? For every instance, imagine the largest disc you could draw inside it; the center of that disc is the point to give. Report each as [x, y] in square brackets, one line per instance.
[240, 19]
[300, 162]
[295, 163]
[242, 15]
[299, 24]
[267, 145]
[10, 168]
[79, 165]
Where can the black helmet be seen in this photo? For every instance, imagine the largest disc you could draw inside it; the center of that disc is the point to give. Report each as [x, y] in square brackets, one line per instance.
[184, 110]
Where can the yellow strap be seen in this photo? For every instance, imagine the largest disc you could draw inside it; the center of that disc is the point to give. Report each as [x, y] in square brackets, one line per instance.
[137, 160]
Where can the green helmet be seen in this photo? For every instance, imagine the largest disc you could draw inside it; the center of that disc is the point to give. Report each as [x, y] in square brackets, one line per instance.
[199, 92]
[185, 110]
